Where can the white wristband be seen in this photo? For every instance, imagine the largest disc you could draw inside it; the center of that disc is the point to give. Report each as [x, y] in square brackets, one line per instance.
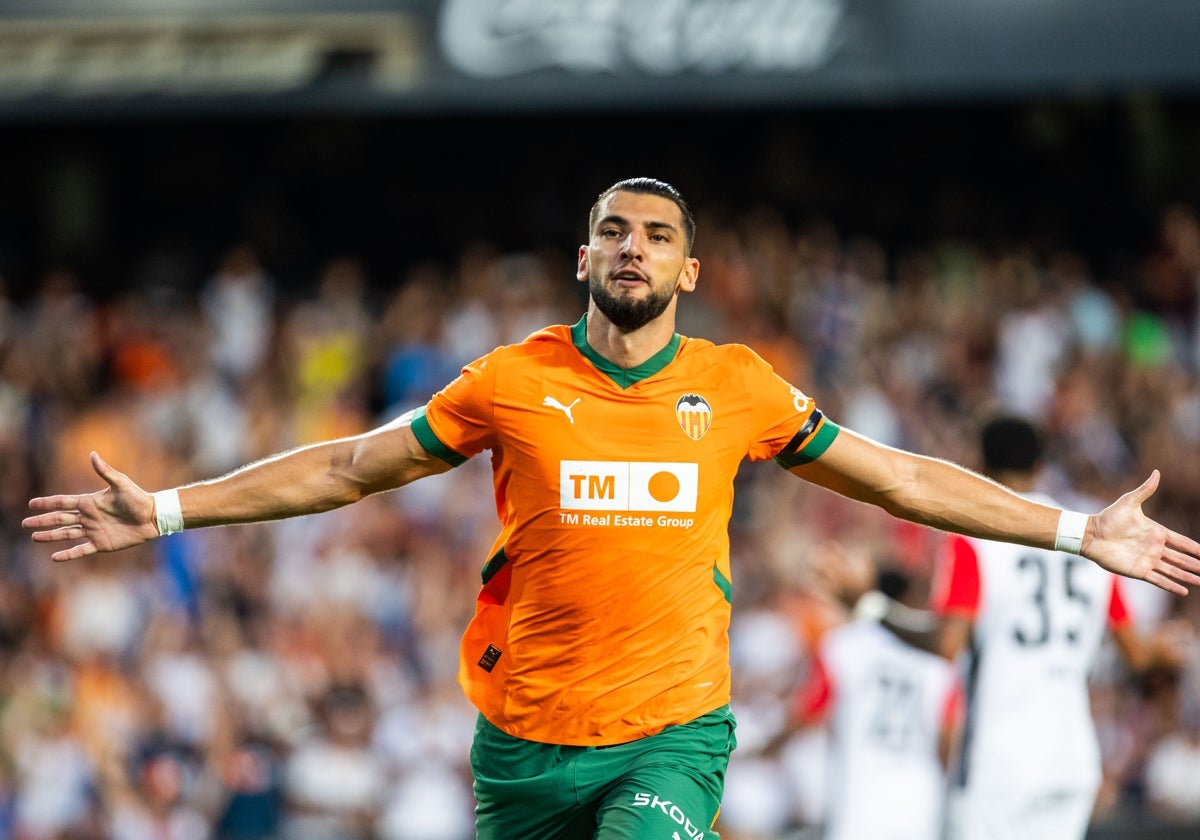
[168, 512]
[872, 606]
[1071, 526]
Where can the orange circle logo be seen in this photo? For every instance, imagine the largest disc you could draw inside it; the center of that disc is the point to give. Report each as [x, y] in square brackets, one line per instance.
[663, 486]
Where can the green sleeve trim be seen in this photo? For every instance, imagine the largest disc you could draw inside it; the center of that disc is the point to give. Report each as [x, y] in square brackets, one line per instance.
[494, 564]
[433, 445]
[812, 450]
[724, 584]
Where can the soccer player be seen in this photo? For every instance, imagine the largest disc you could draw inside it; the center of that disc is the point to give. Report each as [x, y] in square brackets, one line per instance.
[1026, 624]
[598, 653]
[891, 709]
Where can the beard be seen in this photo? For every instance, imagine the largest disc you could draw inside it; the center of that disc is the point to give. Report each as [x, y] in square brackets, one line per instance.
[625, 312]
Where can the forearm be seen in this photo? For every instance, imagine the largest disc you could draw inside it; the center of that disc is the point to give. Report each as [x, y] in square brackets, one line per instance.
[294, 483]
[948, 497]
[931, 492]
[308, 480]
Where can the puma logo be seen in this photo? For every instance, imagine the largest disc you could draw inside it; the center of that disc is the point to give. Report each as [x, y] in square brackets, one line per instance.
[565, 409]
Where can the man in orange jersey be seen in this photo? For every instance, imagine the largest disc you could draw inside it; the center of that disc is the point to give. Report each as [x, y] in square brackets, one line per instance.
[598, 654]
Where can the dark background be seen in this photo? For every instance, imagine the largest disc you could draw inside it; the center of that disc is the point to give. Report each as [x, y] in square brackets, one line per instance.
[113, 198]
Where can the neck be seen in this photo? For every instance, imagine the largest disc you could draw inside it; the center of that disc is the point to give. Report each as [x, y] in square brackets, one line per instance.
[628, 349]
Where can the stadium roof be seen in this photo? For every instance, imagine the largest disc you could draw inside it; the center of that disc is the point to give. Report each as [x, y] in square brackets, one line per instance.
[75, 57]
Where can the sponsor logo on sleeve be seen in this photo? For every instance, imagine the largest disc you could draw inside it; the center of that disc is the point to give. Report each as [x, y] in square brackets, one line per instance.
[800, 400]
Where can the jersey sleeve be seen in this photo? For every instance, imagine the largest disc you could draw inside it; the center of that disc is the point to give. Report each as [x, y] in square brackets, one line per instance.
[457, 422]
[956, 589]
[1118, 610]
[792, 430]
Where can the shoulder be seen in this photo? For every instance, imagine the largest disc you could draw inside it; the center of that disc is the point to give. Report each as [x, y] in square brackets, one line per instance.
[553, 337]
[731, 358]
[726, 352]
[547, 341]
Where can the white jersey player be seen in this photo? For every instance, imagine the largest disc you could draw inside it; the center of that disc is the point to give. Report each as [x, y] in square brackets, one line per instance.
[1027, 625]
[890, 709]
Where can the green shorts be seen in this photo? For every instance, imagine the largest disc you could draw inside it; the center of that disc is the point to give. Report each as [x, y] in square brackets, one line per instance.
[664, 787]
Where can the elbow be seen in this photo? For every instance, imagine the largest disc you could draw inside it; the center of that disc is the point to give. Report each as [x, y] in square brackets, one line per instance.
[347, 479]
[897, 493]
[913, 491]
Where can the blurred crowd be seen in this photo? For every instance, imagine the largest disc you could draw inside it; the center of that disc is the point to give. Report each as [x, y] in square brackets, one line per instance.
[296, 680]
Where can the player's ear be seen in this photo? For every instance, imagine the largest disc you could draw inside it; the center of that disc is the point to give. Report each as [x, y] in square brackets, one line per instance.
[581, 270]
[689, 275]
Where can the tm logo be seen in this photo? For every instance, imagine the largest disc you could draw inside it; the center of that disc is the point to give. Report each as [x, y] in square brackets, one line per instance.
[690, 831]
[628, 485]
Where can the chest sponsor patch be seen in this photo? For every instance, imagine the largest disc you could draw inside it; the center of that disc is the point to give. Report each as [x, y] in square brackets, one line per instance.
[652, 486]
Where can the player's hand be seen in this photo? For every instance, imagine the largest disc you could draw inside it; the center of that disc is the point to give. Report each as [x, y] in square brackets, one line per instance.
[119, 516]
[1124, 540]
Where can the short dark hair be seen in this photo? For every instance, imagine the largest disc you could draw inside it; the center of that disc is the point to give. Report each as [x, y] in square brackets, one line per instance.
[1010, 444]
[649, 186]
[893, 582]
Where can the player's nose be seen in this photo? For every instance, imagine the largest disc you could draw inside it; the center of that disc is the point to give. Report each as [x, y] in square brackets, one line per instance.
[632, 245]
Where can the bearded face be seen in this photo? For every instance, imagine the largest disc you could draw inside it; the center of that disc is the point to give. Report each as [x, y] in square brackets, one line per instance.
[623, 309]
[636, 260]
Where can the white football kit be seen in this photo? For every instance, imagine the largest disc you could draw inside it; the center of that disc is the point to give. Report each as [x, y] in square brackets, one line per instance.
[1028, 764]
[886, 704]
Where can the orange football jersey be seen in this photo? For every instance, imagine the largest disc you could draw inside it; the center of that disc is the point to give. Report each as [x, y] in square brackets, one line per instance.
[605, 605]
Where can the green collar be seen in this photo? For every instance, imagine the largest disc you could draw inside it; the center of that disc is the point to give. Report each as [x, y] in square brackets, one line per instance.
[622, 376]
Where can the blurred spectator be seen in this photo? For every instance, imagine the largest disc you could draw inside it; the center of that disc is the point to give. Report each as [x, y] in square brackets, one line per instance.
[324, 345]
[53, 779]
[416, 360]
[1032, 336]
[333, 783]
[243, 637]
[239, 307]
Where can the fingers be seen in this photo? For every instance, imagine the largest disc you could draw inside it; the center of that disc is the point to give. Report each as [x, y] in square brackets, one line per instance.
[74, 552]
[1147, 489]
[1185, 579]
[1164, 582]
[1182, 560]
[66, 531]
[69, 532]
[53, 503]
[52, 520]
[1182, 568]
[1175, 572]
[1185, 546]
[105, 470]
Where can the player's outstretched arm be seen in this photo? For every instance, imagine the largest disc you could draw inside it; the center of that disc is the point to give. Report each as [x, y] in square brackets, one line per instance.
[942, 495]
[307, 480]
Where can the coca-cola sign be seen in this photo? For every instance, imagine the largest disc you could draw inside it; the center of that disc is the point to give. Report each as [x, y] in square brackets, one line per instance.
[498, 38]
